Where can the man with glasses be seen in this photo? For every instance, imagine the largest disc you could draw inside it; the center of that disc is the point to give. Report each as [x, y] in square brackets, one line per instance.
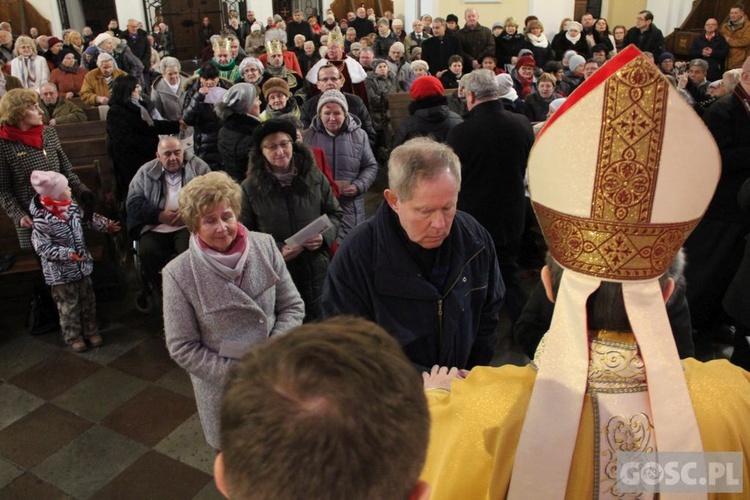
[645, 35]
[329, 78]
[711, 47]
[153, 217]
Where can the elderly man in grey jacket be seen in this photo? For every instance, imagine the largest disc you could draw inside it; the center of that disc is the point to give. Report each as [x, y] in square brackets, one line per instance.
[153, 217]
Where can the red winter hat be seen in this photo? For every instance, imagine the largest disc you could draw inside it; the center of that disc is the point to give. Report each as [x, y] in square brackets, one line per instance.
[52, 41]
[426, 86]
[525, 61]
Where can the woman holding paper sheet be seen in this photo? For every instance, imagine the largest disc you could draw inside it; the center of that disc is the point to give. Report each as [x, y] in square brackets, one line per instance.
[230, 290]
[284, 192]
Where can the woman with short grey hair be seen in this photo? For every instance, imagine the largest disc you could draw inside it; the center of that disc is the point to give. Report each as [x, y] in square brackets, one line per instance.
[167, 91]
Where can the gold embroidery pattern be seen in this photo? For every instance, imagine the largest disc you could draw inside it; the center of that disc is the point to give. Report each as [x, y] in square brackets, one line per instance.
[615, 367]
[622, 433]
[632, 131]
[618, 241]
[613, 250]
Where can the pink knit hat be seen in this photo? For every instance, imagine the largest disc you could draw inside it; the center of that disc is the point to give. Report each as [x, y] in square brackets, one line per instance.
[49, 184]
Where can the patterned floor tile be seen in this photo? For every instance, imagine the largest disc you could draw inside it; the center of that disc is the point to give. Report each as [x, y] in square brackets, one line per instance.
[94, 397]
[22, 353]
[155, 476]
[137, 419]
[42, 432]
[8, 472]
[89, 462]
[177, 381]
[29, 486]
[55, 375]
[15, 404]
[148, 360]
[209, 492]
[188, 445]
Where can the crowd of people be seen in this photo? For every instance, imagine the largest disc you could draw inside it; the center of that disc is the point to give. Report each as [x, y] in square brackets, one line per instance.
[244, 186]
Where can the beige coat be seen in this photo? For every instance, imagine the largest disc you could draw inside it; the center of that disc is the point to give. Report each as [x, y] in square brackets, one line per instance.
[95, 85]
[739, 43]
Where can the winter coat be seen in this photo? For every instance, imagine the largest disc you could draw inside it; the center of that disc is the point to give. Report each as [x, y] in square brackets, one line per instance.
[146, 195]
[235, 140]
[202, 311]
[309, 110]
[41, 72]
[202, 118]
[375, 275]
[739, 42]
[351, 159]
[167, 102]
[382, 44]
[476, 41]
[719, 51]
[560, 45]
[140, 47]
[428, 117]
[507, 47]
[403, 75]
[569, 83]
[729, 124]
[436, 51]
[450, 80]
[281, 211]
[132, 141]
[56, 240]
[489, 138]
[94, 85]
[411, 41]
[457, 105]
[68, 82]
[377, 94]
[536, 107]
[542, 55]
[63, 112]
[651, 40]
[17, 161]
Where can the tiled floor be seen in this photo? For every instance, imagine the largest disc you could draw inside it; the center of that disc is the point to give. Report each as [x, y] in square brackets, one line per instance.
[114, 422]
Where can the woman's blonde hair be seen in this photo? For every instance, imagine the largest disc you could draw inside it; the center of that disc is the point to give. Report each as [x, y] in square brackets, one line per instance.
[14, 104]
[21, 40]
[203, 193]
[74, 33]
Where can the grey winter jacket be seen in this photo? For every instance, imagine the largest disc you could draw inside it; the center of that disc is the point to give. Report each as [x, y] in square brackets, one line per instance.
[351, 159]
[167, 102]
[146, 195]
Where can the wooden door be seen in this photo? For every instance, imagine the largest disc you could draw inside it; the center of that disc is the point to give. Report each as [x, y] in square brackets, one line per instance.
[184, 18]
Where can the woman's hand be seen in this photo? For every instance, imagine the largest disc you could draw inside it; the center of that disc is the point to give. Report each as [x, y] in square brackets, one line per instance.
[314, 243]
[26, 222]
[440, 377]
[113, 227]
[290, 253]
[350, 190]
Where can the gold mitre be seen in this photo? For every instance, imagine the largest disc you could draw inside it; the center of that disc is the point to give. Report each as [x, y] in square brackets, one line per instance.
[274, 47]
[335, 37]
[622, 172]
[222, 44]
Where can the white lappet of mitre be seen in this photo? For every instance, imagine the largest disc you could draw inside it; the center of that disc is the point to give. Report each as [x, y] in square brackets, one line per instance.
[619, 177]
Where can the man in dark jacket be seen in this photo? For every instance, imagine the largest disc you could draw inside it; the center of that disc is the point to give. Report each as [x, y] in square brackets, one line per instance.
[712, 47]
[298, 26]
[645, 35]
[329, 78]
[423, 271]
[437, 50]
[56, 109]
[493, 146]
[475, 39]
[715, 247]
[363, 25]
[429, 113]
[140, 47]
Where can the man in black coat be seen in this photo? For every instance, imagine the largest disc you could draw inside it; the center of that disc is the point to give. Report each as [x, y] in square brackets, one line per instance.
[330, 79]
[298, 26]
[712, 47]
[645, 35]
[363, 25]
[716, 246]
[437, 50]
[493, 146]
[140, 47]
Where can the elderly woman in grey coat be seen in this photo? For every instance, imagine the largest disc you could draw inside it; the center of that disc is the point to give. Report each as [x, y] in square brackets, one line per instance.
[167, 91]
[229, 291]
[347, 150]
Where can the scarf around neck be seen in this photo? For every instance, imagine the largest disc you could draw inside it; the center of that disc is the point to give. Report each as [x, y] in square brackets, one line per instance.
[284, 178]
[572, 39]
[58, 208]
[31, 137]
[68, 69]
[538, 41]
[229, 264]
